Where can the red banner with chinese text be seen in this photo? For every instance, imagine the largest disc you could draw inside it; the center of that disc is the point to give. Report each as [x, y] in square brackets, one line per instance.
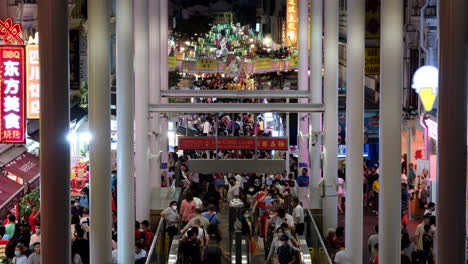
[263, 143]
[12, 96]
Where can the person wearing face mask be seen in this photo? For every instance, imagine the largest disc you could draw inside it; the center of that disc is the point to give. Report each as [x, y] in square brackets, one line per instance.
[36, 237]
[35, 257]
[280, 239]
[172, 218]
[84, 197]
[20, 257]
[246, 223]
[77, 209]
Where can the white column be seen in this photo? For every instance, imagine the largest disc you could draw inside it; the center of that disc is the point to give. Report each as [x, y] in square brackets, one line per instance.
[330, 148]
[391, 83]
[141, 110]
[99, 124]
[354, 129]
[316, 33]
[125, 126]
[55, 124]
[452, 114]
[303, 85]
[154, 93]
[164, 75]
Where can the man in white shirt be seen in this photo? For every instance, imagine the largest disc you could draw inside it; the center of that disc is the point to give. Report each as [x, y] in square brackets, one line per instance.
[298, 216]
[233, 190]
[341, 257]
[206, 127]
[139, 252]
[36, 237]
[371, 242]
[282, 217]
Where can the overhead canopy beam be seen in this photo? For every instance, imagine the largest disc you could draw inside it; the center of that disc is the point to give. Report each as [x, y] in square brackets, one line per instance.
[236, 108]
[235, 94]
[236, 166]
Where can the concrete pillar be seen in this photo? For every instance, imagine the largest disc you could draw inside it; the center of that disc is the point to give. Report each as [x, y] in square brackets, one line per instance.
[125, 126]
[55, 123]
[391, 81]
[99, 124]
[330, 148]
[354, 129]
[141, 110]
[303, 85]
[452, 114]
[164, 75]
[154, 93]
[316, 28]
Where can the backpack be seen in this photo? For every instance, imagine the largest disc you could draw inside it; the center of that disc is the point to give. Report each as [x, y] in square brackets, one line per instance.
[212, 255]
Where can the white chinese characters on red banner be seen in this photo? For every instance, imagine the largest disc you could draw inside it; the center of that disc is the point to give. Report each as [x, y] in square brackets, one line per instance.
[12, 112]
[32, 81]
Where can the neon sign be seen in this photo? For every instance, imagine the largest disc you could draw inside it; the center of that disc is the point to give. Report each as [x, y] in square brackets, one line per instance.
[12, 84]
[426, 84]
[33, 82]
[291, 23]
[10, 32]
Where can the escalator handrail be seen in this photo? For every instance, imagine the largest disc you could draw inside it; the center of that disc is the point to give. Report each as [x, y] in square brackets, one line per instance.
[322, 243]
[155, 239]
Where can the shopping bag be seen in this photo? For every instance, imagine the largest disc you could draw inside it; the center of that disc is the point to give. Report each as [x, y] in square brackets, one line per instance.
[260, 245]
[253, 246]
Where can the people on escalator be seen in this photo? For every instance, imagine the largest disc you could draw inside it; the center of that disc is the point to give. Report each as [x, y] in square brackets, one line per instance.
[187, 208]
[286, 254]
[247, 225]
[234, 190]
[172, 218]
[190, 248]
[276, 243]
[198, 216]
[213, 197]
[298, 216]
[211, 215]
[214, 251]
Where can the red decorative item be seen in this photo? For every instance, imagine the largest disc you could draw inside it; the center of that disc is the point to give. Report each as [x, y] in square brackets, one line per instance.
[12, 95]
[11, 32]
[263, 143]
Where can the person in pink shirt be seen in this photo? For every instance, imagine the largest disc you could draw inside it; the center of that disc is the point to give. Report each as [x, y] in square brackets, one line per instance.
[187, 208]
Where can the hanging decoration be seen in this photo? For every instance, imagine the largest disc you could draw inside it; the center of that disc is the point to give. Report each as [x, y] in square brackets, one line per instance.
[10, 32]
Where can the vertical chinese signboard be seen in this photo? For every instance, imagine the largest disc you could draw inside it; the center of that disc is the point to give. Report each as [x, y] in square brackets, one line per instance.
[291, 23]
[12, 97]
[32, 82]
[373, 61]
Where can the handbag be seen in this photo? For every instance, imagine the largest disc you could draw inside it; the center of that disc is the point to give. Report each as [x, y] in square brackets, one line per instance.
[260, 244]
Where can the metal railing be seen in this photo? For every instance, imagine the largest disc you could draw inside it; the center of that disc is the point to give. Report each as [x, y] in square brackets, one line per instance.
[157, 254]
[161, 246]
[312, 245]
[317, 248]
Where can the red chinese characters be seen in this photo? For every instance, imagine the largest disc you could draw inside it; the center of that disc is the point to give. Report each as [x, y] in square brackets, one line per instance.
[12, 84]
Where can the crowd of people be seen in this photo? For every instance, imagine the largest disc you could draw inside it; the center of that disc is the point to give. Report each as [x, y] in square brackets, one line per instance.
[224, 125]
[271, 218]
[24, 239]
[217, 82]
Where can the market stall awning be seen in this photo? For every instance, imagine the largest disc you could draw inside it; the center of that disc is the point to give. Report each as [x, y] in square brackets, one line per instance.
[11, 193]
[27, 167]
